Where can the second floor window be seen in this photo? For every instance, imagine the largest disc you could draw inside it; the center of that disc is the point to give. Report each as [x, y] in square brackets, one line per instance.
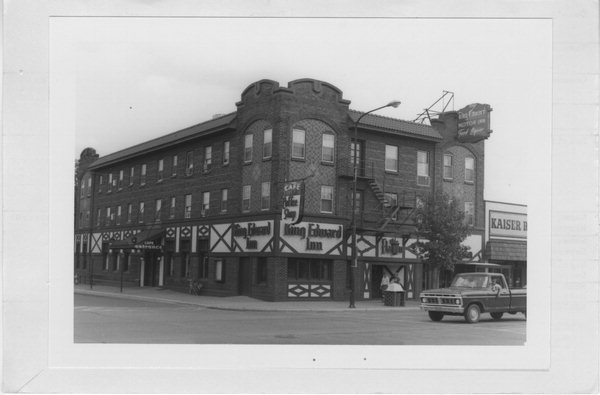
[328, 147]
[391, 158]
[141, 213]
[174, 166]
[265, 196]
[447, 166]
[207, 158]
[469, 169]
[119, 215]
[143, 175]
[246, 191]
[187, 213]
[267, 143]
[189, 163]
[205, 203]
[224, 197]
[326, 199]
[248, 148]
[108, 216]
[172, 207]
[298, 144]
[392, 200]
[422, 168]
[161, 168]
[226, 153]
[469, 213]
[157, 210]
[129, 212]
[98, 217]
[121, 176]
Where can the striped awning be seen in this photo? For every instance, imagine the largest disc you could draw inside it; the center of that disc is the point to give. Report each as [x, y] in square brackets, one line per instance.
[506, 250]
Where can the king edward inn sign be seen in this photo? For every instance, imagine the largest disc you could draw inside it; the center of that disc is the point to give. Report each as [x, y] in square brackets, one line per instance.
[474, 123]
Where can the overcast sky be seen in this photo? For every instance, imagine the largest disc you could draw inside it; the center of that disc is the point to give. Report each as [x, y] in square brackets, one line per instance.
[133, 79]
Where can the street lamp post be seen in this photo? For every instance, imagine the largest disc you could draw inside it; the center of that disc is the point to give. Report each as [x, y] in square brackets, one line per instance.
[354, 263]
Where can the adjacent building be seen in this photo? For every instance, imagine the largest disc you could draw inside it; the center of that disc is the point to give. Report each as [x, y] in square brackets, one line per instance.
[258, 202]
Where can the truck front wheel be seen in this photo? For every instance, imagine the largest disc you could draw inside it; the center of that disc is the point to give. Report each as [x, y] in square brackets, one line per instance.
[472, 314]
[436, 315]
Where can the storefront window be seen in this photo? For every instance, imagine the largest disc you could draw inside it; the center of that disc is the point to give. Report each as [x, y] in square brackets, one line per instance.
[309, 269]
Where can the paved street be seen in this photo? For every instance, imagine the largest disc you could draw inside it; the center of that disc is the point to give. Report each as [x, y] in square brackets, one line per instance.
[101, 319]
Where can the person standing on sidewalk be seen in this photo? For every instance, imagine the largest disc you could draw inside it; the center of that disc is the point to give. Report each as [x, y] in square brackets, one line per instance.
[385, 281]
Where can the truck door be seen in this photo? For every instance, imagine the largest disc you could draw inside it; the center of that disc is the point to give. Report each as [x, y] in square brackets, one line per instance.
[501, 301]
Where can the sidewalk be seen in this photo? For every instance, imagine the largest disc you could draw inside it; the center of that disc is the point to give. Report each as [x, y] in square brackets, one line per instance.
[235, 302]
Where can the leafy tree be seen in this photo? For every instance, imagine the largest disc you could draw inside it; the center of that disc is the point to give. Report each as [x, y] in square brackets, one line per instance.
[441, 227]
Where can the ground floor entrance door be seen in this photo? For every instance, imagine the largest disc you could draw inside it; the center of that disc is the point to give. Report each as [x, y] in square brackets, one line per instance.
[245, 277]
[152, 266]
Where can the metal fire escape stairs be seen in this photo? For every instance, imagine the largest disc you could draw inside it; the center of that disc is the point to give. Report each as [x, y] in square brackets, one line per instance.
[401, 213]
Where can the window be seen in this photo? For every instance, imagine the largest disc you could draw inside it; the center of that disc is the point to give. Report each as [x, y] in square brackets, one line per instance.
[172, 207]
[328, 147]
[265, 196]
[157, 210]
[326, 199]
[121, 174]
[110, 182]
[246, 190]
[82, 188]
[187, 213]
[309, 269]
[189, 163]
[87, 218]
[261, 271]
[447, 167]
[220, 270]
[469, 213]
[161, 168]
[203, 267]
[207, 159]
[143, 175]
[224, 193]
[226, 153]
[174, 166]
[205, 203]
[469, 169]
[99, 217]
[248, 148]
[108, 217]
[298, 144]
[392, 199]
[131, 174]
[267, 143]
[422, 168]
[129, 212]
[89, 190]
[141, 213]
[358, 209]
[126, 262]
[391, 158]
[100, 183]
[119, 215]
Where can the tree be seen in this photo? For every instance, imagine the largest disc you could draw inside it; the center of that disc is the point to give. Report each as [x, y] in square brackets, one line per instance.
[441, 227]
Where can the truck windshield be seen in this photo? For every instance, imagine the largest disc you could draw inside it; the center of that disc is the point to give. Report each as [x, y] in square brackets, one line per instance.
[470, 281]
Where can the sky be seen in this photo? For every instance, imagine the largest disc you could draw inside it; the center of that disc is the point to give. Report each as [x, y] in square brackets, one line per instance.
[128, 80]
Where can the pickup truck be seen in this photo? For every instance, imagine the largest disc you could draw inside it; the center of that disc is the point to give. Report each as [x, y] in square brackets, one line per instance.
[471, 294]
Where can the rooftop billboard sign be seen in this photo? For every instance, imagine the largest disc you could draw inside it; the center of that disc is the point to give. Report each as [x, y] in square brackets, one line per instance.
[474, 123]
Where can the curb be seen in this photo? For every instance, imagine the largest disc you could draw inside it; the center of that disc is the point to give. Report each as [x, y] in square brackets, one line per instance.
[236, 308]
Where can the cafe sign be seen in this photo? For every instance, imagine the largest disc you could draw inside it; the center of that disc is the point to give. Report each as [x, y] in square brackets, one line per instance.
[474, 123]
[293, 202]
[505, 224]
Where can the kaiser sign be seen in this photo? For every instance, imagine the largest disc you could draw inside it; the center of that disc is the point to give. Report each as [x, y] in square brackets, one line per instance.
[474, 123]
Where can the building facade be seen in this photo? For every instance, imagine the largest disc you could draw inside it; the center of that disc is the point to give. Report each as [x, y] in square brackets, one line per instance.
[209, 203]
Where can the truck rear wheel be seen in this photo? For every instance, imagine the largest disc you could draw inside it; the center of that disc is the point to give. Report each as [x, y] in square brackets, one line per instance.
[436, 315]
[472, 314]
[497, 316]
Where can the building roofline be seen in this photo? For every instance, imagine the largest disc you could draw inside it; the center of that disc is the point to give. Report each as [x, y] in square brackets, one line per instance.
[395, 125]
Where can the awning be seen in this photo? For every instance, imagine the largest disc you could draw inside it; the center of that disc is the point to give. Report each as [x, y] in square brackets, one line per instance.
[506, 250]
[142, 240]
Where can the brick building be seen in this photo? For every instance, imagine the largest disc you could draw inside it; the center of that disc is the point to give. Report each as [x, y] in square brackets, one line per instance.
[206, 202]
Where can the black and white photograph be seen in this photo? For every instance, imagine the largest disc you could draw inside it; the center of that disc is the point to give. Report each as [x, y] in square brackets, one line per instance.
[299, 193]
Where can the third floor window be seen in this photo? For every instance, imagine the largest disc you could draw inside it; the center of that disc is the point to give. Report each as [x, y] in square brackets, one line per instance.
[267, 143]
[298, 144]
